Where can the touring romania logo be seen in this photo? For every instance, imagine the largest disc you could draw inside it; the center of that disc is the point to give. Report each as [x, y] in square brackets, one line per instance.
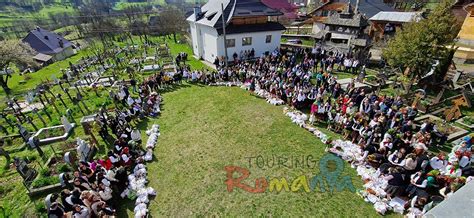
[329, 179]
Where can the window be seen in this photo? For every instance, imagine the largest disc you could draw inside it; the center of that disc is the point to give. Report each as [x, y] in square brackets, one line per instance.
[247, 41]
[268, 39]
[230, 43]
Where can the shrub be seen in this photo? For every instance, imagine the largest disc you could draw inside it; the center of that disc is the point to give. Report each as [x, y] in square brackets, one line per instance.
[4, 190]
[8, 141]
[63, 168]
[45, 181]
[468, 120]
[31, 158]
[45, 172]
[26, 77]
[55, 122]
[40, 208]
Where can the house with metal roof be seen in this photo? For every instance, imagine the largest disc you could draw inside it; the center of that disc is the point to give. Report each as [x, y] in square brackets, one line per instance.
[49, 45]
[386, 23]
[242, 24]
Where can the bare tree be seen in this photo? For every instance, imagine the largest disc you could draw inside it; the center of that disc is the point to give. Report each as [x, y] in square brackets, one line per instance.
[14, 52]
[171, 21]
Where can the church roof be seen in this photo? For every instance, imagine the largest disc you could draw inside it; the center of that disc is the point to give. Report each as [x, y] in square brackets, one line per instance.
[251, 28]
[211, 12]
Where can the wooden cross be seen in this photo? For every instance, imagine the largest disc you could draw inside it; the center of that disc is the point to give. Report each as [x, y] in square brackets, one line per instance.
[455, 112]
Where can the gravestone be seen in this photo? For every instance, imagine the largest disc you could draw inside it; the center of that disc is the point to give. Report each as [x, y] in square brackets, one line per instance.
[83, 149]
[28, 174]
[67, 125]
[69, 158]
[456, 76]
[29, 97]
[25, 135]
[63, 180]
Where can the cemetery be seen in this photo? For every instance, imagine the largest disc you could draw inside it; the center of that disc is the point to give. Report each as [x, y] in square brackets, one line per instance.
[136, 124]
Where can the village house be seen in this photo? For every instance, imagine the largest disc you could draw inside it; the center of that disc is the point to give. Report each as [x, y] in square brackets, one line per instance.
[49, 45]
[345, 30]
[385, 24]
[465, 43]
[246, 24]
[326, 8]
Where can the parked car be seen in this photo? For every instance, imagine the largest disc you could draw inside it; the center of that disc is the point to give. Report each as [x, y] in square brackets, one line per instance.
[295, 41]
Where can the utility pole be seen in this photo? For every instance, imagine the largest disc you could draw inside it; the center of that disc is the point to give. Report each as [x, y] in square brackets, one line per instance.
[223, 31]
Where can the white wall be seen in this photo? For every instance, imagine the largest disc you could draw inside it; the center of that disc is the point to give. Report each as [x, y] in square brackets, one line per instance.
[65, 53]
[194, 38]
[204, 41]
[207, 44]
[258, 43]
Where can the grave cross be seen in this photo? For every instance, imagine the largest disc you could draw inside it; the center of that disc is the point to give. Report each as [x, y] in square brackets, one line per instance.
[30, 121]
[44, 105]
[35, 111]
[88, 78]
[17, 115]
[79, 101]
[5, 153]
[77, 89]
[16, 110]
[4, 116]
[61, 99]
[53, 99]
[65, 91]
[46, 96]
[79, 106]
[419, 94]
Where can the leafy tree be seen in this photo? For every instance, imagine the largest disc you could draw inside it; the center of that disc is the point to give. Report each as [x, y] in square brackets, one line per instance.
[17, 53]
[420, 44]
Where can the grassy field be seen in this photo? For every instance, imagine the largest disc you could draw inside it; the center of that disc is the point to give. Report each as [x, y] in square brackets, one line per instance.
[46, 73]
[304, 41]
[205, 129]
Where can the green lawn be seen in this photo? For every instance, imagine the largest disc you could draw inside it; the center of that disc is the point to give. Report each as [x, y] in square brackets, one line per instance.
[184, 47]
[45, 73]
[204, 129]
[304, 41]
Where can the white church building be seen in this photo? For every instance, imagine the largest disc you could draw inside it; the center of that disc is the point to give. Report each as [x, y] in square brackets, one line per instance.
[247, 26]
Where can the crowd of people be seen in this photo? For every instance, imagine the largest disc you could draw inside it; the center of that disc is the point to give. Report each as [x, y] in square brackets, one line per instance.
[381, 128]
[379, 131]
[98, 184]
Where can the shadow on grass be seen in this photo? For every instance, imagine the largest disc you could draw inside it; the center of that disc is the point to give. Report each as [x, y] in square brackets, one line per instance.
[126, 206]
